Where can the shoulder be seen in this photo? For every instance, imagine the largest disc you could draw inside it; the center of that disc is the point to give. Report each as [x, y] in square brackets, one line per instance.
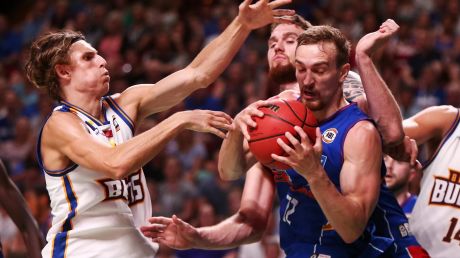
[363, 127]
[353, 77]
[61, 124]
[363, 134]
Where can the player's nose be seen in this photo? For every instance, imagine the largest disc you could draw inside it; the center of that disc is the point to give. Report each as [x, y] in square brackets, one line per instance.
[103, 62]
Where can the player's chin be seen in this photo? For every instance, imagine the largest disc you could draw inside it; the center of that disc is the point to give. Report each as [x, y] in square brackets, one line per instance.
[312, 104]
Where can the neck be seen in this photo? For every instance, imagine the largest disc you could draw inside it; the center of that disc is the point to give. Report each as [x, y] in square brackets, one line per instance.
[289, 86]
[331, 109]
[90, 104]
[402, 196]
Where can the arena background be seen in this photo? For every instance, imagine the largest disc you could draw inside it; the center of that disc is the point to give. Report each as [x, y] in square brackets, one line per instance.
[144, 41]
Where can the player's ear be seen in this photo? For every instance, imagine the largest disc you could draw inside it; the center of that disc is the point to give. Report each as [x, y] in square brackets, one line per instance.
[344, 69]
[62, 71]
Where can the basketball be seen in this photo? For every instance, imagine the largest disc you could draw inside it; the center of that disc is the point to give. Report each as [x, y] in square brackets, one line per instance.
[278, 119]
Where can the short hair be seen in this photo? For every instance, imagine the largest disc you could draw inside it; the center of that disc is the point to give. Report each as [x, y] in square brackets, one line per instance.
[46, 52]
[296, 20]
[326, 33]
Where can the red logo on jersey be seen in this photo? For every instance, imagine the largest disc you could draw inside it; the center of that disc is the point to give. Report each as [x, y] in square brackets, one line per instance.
[446, 190]
[129, 188]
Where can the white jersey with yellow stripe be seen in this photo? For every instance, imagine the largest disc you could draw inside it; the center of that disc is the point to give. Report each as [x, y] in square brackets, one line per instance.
[93, 215]
[435, 219]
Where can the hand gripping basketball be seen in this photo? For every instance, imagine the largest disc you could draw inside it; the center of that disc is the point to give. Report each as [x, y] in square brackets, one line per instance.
[279, 118]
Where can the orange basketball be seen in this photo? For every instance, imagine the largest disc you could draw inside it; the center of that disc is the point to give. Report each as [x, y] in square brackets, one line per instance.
[278, 119]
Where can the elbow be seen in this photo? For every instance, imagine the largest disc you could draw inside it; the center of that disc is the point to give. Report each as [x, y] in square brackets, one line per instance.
[394, 136]
[201, 79]
[226, 174]
[117, 170]
[255, 219]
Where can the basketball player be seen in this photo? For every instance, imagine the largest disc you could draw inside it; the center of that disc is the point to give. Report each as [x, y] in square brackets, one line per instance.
[297, 216]
[388, 217]
[15, 206]
[87, 149]
[399, 175]
[435, 217]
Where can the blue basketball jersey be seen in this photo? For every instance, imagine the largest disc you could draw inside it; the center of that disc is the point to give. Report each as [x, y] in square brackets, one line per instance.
[304, 229]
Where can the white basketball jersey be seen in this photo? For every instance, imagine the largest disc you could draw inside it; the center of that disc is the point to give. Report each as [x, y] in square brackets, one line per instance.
[93, 215]
[435, 220]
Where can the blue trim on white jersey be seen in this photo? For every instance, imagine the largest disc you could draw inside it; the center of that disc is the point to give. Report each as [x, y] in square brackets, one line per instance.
[444, 140]
[60, 240]
[92, 118]
[54, 173]
[117, 109]
[59, 245]
[72, 199]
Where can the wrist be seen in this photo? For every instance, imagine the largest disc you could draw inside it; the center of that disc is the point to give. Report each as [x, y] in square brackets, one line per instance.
[362, 58]
[181, 119]
[239, 22]
[315, 176]
[198, 242]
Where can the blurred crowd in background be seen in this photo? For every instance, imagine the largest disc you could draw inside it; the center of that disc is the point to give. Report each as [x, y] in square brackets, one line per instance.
[143, 41]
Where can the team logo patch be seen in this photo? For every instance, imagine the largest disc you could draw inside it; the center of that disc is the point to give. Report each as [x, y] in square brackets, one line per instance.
[446, 190]
[329, 135]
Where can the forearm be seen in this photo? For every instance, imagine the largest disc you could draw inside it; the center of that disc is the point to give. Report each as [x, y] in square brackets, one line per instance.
[34, 240]
[232, 232]
[217, 55]
[130, 156]
[15, 206]
[346, 217]
[232, 163]
[381, 104]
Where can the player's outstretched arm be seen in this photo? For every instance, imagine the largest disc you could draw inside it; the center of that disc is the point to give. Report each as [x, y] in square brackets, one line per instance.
[209, 63]
[64, 134]
[15, 206]
[381, 104]
[246, 226]
[347, 211]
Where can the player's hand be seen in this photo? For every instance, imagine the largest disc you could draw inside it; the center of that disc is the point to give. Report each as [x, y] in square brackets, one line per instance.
[173, 232]
[244, 119]
[406, 151]
[372, 41]
[206, 121]
[263, 12]
[302, 156]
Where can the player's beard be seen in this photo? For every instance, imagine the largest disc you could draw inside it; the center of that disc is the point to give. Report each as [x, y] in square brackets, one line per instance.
[282, 74]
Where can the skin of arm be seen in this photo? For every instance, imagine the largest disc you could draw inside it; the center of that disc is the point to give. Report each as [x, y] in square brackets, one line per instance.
[15, 205]
[234, 155]
[143, 100]
[430, 124]
[381, 104]
[64, 133]
[347, 211]
[246, 226]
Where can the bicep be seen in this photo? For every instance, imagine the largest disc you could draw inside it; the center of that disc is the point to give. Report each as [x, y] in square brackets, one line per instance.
[70, 139]
[147, 99]
[360, 175]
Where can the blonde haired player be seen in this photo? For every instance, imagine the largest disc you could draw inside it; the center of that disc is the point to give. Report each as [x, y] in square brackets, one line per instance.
[87, 149]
